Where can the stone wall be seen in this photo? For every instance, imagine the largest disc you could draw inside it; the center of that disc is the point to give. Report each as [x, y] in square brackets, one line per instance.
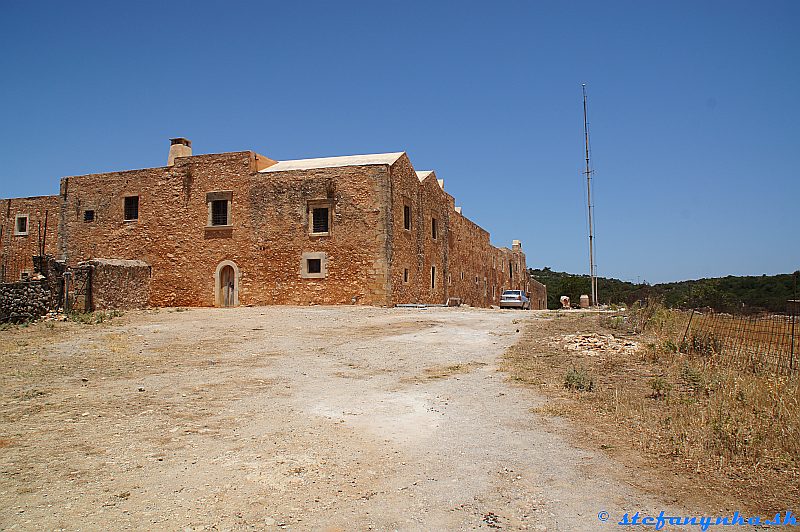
[24, 301]
[470, 260]
[18, 249]
[538, 295]
[354, 249]
[261, 255]
[170, 231]
[461, 259]
[119, 284]
[264, 243]
[435, 204]
[407, 245]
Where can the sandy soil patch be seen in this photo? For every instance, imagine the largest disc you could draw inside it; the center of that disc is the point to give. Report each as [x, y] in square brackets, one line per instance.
[347, 418]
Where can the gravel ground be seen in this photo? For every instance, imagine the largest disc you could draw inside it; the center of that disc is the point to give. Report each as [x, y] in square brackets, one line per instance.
[314, 418]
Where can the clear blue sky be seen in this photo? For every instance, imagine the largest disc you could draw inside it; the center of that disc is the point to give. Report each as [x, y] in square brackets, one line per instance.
[693, 110]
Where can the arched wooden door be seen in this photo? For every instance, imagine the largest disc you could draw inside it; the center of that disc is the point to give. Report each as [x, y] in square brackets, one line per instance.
[227, 285]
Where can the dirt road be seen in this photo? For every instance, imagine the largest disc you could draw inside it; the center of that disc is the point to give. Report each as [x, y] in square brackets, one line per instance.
[348, 418]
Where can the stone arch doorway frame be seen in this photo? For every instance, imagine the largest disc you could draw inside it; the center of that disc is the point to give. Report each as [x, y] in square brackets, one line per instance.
[220, 290]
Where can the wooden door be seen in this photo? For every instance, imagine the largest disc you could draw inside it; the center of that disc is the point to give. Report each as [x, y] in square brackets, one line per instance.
[227, 286]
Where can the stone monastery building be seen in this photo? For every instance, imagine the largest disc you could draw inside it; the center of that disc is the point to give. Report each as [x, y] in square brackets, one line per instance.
[242, 229]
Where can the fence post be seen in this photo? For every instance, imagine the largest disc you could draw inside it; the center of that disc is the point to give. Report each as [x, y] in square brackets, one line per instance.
[794, 310]
[89, 302]
[67, 275]
[791, 340]
[683, 342]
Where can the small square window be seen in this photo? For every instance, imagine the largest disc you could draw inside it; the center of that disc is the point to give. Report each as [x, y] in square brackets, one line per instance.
[21, 224]
[219, 212]
[131, 208]
[88, 216]
[434, 228]
[314, 265]
[407, 217]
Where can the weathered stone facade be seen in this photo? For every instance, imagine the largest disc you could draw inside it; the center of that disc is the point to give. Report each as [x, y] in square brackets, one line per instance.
[41, 215]
[538, 295]
[240, 228]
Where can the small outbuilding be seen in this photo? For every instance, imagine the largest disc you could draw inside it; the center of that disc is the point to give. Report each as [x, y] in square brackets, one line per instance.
[115, 284]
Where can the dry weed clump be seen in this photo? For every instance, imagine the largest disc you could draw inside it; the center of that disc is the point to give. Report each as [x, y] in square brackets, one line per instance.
[735, 432]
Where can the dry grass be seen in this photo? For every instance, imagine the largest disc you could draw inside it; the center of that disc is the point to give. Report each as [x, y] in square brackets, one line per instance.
[444, 372]
[731, 435]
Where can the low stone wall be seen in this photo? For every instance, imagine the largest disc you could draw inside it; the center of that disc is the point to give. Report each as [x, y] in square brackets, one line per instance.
[24, 301]
[119, 284]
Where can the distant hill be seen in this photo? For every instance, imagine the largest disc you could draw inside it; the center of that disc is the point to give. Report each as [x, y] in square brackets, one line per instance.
[724, 294]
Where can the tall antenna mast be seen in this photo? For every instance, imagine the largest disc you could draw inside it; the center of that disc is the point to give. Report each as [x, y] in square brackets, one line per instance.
[592, 266]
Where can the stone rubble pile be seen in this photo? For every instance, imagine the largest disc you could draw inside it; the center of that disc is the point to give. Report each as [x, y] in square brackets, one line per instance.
[592, 344]
[54, 315]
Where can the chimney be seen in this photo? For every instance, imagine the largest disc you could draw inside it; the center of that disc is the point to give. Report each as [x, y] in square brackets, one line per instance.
[516, 245]
[179, 147]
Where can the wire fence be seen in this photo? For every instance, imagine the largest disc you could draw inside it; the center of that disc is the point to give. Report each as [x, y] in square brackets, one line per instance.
[760, 344]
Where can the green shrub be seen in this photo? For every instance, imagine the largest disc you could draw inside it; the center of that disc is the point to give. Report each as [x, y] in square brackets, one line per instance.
[93, 318]
[578, 379]
[701, 344]
[660, 387]
[692, 378]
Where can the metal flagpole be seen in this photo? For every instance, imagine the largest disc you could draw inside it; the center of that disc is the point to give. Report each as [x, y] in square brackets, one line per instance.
[592, 271]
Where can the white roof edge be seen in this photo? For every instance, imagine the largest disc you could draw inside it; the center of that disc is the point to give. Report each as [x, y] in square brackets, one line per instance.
[334, 162]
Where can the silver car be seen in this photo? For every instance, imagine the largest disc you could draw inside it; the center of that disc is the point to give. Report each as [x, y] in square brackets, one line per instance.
[515, 299]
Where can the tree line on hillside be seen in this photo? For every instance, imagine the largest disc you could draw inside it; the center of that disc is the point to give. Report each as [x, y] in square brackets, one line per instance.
[767, 293]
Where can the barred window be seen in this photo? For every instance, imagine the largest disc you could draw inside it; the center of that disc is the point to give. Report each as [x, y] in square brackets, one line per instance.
[219, 208]
[219, 212]
[319, 220]
[131, 208]
[319, 217]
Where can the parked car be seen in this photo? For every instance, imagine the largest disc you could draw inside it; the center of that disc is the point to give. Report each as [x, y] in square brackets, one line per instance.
[515, 299]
